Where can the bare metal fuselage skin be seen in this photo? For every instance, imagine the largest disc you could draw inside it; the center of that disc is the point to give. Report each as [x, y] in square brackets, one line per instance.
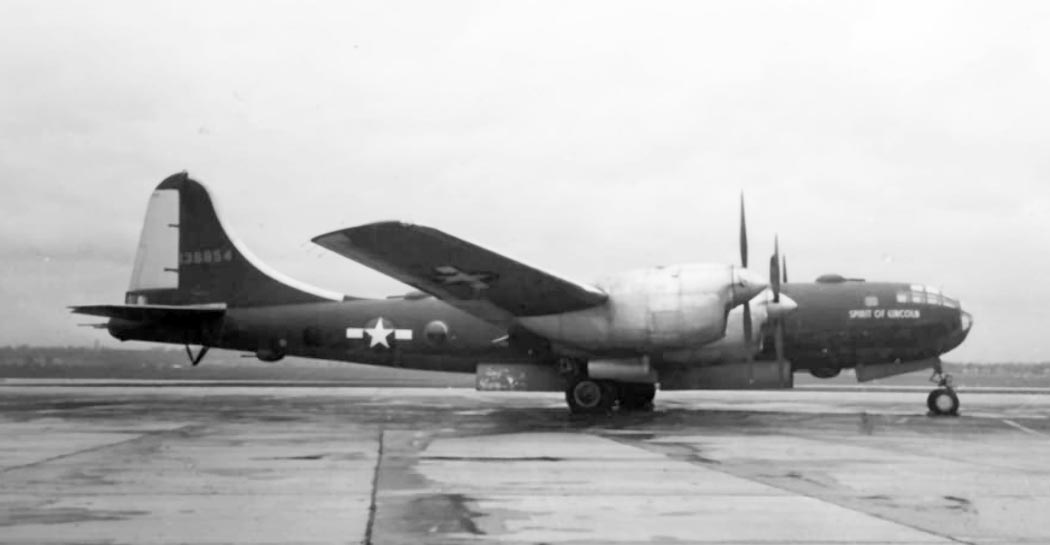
[648, 311]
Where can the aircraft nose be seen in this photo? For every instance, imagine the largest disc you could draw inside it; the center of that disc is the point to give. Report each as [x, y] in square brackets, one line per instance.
[747, 284]
[959, 335]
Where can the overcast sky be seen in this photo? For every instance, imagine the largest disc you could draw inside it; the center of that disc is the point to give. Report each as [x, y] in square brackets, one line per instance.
[903, 141]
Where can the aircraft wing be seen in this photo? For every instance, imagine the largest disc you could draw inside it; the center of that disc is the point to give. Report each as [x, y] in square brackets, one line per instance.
[153, 313]
[478, 281]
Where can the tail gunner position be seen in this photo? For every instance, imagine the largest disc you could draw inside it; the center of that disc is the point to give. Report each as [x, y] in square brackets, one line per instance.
[605, 344]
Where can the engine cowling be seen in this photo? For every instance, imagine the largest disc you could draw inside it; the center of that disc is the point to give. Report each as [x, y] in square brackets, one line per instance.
[654, 309]
[733, 346]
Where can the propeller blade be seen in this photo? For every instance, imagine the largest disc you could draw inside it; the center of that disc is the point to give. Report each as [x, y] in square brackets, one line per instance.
[776, 273]
[784, 268]
[743, 234]
[747, 329]
[747, 304]
[778, 338]
[774, 270]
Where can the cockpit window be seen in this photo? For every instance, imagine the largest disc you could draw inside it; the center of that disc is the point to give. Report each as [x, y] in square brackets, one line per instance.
[929, 295]
[871, 301]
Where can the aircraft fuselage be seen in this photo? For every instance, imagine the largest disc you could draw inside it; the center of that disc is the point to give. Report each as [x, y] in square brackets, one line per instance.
[842, 324]
[837, 325]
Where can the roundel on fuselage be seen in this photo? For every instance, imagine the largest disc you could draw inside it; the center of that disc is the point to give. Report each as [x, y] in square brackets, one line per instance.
[436, 333]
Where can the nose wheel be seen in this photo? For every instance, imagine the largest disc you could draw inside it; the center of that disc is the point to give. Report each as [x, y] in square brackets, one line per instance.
[943, 401]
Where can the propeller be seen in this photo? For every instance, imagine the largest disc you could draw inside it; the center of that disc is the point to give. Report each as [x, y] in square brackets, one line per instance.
[776, 308]
[774, 269]
[778, 276]
[777, 272]
[743, 263]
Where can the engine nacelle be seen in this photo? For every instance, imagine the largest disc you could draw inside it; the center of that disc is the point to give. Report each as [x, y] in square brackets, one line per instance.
[654, 309]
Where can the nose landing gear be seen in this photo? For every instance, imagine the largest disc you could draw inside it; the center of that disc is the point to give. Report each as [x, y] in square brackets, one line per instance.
[943, 401]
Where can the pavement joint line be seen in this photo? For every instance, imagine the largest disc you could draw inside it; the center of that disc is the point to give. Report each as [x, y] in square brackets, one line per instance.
[375, 490]
[138, 437]
[1023, 428]
[722, 469]
[897, 449]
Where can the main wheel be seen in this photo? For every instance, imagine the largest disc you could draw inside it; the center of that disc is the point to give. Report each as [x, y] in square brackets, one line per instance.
[590, 396]
[637, 397]
[943, 402]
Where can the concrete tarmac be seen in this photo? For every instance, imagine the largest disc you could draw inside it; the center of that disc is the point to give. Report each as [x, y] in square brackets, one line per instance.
[236, 464]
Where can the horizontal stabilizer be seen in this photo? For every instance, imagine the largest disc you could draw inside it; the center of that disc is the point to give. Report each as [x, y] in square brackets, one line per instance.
[154, 313]
[474, 279]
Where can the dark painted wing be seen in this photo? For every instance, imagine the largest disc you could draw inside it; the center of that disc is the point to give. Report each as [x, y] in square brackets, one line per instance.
[154, 313]
[478, 281]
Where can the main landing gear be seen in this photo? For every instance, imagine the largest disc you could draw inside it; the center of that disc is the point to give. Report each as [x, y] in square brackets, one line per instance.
[943, 401]
[587, 396]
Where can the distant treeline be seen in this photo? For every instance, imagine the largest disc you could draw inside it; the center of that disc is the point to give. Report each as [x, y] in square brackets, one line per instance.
[165, 363]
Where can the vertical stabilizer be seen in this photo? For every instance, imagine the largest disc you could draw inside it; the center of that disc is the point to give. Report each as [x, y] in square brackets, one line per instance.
[157, 258]
[186, 257]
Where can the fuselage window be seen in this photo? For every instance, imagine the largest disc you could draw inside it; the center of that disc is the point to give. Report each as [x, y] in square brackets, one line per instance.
[918, 297]
[902, 297]
[871, 301]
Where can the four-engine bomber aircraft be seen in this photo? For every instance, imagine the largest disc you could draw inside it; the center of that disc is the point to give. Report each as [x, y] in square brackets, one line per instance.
[520, 328]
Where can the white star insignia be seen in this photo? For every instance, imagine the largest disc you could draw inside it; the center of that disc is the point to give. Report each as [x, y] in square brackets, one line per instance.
[452, 276]
[379, 334]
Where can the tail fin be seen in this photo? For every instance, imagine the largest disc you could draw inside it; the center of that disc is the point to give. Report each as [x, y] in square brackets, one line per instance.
[186, 257]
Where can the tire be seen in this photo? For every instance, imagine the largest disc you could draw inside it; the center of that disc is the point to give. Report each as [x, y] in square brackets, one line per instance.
[590, 396]
[943, 402]
[637, 397]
